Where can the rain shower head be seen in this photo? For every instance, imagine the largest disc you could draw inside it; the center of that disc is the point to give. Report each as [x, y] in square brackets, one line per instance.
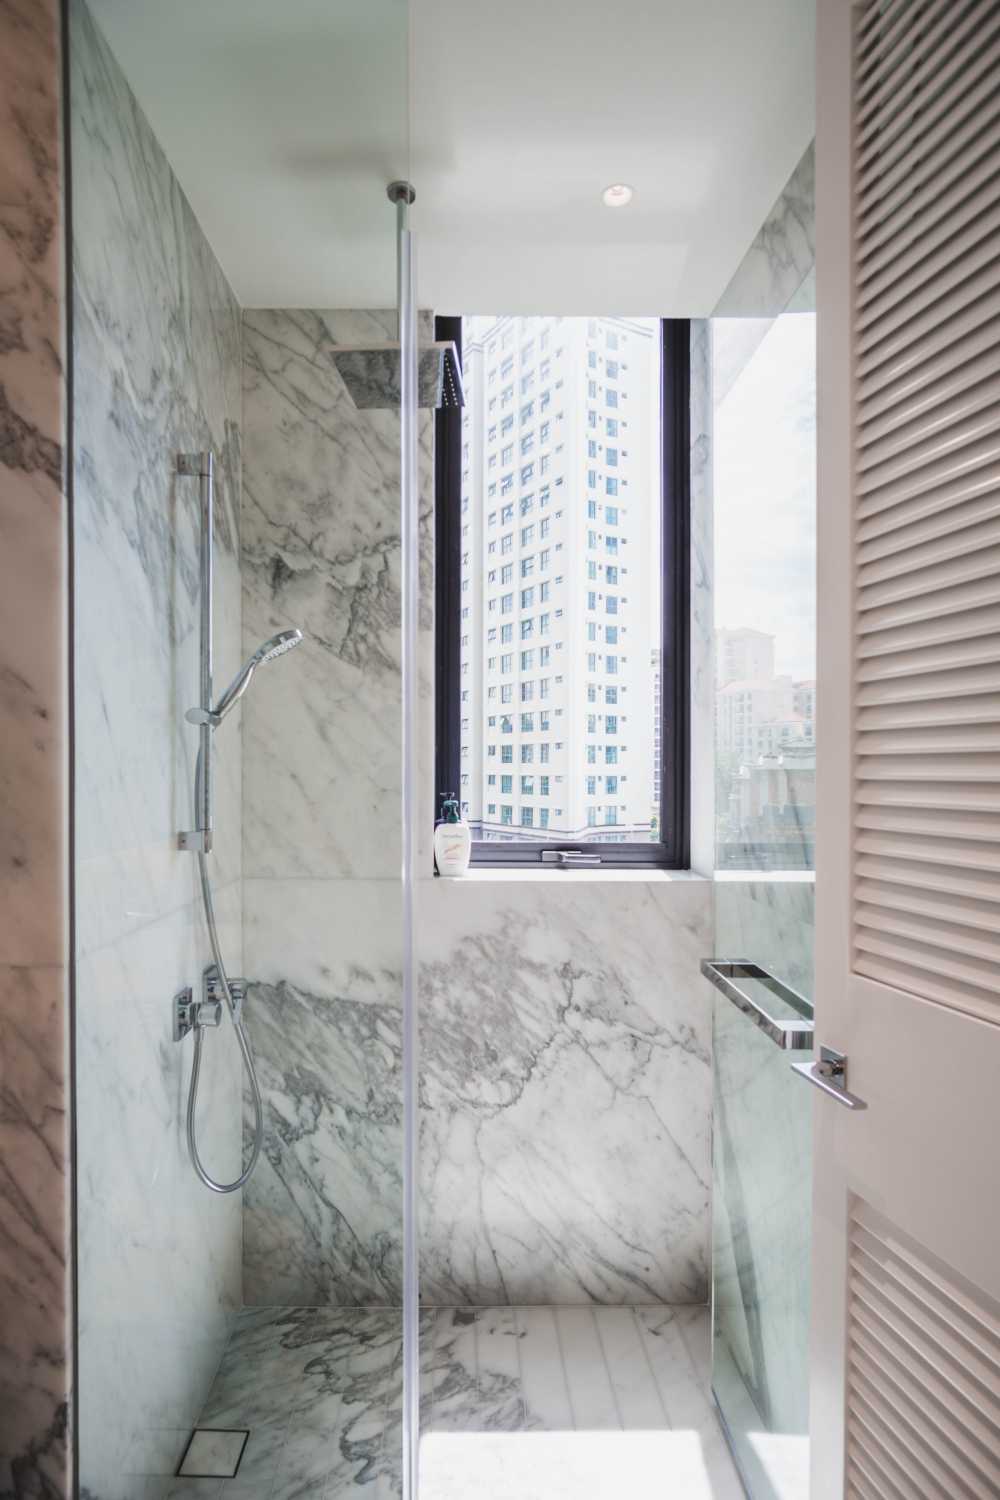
[285, 640]
[372, 375]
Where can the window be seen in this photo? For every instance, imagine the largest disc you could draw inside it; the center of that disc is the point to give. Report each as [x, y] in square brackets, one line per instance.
[616, 626]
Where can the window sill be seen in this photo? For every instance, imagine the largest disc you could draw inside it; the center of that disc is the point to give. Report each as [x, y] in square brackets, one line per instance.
[494, 874]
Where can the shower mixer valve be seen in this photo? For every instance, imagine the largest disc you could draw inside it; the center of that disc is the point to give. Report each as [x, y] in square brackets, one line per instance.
[190, 1013]
[215, 990]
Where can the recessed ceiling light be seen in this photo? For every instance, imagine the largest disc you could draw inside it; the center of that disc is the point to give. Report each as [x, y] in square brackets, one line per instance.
[617, 195]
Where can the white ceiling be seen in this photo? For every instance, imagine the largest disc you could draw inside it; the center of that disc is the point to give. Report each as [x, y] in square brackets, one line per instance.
[284, 119]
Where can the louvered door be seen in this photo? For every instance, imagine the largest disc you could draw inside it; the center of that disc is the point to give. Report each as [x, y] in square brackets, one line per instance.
[906, 1273]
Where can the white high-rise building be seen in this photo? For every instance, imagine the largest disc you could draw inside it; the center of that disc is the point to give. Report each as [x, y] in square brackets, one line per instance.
[754, 716]
[560, 576]
[743, 655]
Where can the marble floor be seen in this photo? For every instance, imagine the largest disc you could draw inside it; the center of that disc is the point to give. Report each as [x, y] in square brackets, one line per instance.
[518, 1403]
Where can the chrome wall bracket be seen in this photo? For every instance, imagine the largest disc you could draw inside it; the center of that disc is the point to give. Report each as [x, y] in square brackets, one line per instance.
[829, 1073]
[198, 841]
[194, 465]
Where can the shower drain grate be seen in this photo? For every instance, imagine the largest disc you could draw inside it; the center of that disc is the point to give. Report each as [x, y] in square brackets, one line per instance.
[214, 1453]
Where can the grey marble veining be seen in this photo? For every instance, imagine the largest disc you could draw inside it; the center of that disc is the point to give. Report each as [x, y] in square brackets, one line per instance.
[565, 1091]
[782, 254]
[542, 1401]
[320, 551]
[524, 1194]
[157, 371]
[323, 1209]
[320, 548]
[35, 1292]
[157, 355]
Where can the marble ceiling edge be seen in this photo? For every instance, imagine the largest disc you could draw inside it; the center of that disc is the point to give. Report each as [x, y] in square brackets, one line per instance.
[782, 254]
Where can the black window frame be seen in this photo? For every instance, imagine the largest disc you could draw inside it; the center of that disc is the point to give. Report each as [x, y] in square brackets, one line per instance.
[670, 852]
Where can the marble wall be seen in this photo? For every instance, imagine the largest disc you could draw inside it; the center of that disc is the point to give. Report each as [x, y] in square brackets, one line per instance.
[321, 816]
[156, 350]
[35, 1287]
[563, 1023]
[565, 1088]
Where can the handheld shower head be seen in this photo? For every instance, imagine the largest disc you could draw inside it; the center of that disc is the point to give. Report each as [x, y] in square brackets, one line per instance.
[285, 640]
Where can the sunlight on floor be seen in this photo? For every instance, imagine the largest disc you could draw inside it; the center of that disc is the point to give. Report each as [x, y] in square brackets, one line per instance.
[567, 1466]
[781, 1459]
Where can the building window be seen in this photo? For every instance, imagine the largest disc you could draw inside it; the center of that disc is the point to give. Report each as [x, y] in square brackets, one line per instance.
[622, 630]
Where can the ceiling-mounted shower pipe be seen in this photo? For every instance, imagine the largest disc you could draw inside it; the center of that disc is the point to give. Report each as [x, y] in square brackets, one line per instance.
[371, 372]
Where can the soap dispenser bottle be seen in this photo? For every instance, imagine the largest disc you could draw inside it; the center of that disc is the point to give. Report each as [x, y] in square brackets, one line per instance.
[452, 840]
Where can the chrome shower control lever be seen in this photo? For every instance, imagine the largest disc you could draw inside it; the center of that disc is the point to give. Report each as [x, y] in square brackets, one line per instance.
[190, 1013]
[215, 990]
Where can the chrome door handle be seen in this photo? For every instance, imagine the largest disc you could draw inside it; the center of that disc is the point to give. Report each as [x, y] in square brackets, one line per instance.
[829, 1073]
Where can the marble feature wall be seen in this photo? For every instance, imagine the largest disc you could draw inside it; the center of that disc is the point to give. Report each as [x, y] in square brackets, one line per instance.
[321, 816]
[566, 1089]
[565, 1077]
[156, 347]
[35, 1309]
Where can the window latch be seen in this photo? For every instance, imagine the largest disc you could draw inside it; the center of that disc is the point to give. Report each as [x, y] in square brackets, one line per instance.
[569, 859]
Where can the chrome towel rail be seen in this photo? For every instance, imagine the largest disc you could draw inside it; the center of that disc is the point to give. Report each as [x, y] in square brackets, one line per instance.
[791, 1034]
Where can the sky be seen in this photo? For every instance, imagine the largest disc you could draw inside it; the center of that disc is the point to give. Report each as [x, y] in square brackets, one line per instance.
[764, 465]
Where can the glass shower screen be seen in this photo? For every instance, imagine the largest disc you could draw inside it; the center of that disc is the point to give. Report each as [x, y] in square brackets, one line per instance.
[235, 273]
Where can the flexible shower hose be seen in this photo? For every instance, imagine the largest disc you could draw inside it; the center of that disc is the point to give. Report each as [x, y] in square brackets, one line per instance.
[241, 1036]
